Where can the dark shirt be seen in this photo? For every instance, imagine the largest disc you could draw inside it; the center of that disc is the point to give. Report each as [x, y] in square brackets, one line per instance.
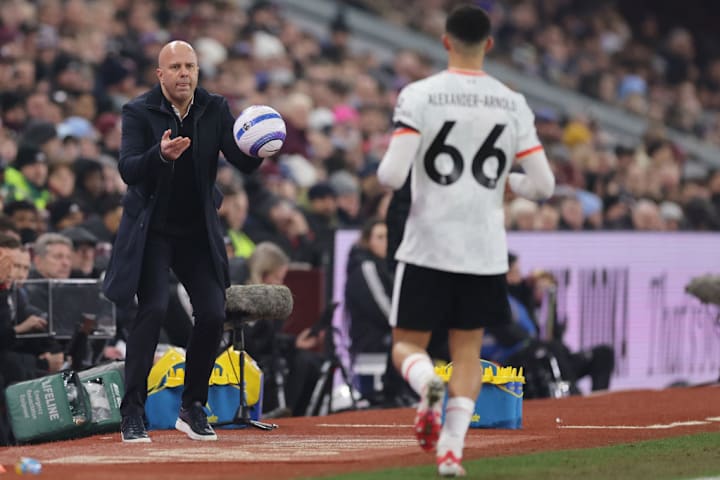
[179, 209]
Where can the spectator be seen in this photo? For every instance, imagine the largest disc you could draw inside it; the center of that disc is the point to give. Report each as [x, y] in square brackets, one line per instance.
[368, 291]
[21, 360]
[52, 257]
[233, 213]
[268, 265]
[571, 214]
[65, 213]
[83, 255]
[522, 214]
[520, 344]
[646, 216]
[89, 185]
[24, 216]
[25, 179]
[105, 225]
[347, 188]
[547, 219]
[322, 214]
[61, 180]
[283, 224]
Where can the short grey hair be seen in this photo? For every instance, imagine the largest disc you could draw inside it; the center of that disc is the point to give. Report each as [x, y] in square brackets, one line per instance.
[40, 247]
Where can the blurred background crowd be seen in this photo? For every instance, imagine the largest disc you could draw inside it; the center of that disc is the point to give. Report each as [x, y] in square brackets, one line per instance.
[68, 66]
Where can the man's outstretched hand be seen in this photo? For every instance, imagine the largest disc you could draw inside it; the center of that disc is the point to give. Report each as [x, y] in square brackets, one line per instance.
[171, 149]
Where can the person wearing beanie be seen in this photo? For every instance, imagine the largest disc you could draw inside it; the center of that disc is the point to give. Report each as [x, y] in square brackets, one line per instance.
[83, 256]
[25, 178]
[64, 213]
[322, 214]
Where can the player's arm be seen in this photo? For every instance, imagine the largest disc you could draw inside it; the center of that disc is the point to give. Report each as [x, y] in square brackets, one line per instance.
[398, 159]
[537, 182]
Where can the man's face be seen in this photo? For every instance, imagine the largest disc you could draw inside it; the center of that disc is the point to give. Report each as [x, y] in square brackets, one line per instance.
[56, 263]
[25, 219]
[178, 72]
[21, 265]
[83, 258]
[235, 209]
[325, 206]
[6, 266]
[36, 173]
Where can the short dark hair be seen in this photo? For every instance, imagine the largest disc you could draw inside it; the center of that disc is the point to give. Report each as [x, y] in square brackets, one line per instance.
[368, 228]
[468, 23]
[18, 206]
[8, 241]
[6, 224]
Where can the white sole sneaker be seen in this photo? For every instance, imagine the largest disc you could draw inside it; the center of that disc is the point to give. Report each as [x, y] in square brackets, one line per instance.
[137, 440]
[449, 466]
[185, 428]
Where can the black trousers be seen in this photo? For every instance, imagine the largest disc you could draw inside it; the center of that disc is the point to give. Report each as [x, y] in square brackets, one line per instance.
[189, 258]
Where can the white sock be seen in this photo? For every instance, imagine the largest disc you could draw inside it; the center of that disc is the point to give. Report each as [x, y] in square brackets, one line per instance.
[458, 414]
[417, 369]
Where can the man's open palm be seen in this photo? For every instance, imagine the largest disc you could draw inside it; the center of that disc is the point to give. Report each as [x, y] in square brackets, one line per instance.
[171, 149]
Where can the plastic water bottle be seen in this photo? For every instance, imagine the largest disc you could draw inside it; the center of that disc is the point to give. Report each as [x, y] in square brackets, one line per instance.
[28, 465]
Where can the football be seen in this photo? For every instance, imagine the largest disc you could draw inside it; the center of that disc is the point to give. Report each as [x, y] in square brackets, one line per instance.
[259, 131]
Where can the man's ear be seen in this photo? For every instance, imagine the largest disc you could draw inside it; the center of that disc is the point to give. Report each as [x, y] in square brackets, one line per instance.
[489, 44]
[446, 42]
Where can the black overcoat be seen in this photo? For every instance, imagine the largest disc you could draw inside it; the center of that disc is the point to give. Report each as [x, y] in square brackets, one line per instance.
[144, 119]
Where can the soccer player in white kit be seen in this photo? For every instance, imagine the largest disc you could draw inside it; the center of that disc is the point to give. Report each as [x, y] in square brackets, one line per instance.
[457, 133]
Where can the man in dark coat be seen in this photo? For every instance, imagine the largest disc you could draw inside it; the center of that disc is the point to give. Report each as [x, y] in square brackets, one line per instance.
[171, 139]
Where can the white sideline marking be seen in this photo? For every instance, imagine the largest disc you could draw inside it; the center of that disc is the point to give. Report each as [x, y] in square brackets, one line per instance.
[693, 423]
[290, 449]
[360, 425]
[713, 419]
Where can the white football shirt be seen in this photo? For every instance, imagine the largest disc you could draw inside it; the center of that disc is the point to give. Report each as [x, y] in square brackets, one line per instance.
[472, 129]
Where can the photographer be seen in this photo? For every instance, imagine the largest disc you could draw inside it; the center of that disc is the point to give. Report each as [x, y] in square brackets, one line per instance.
[276, 352]
[519, 343]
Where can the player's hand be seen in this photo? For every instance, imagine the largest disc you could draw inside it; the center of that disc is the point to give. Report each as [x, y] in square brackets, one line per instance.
[171, 149]
[33, 322]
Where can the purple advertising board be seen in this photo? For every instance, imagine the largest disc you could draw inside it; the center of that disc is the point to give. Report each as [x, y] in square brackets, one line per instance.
[626, 290]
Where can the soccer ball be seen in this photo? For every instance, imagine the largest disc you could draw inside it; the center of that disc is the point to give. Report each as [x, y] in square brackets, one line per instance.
[259, 131]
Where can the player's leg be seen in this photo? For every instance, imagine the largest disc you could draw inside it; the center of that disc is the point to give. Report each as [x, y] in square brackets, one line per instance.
[143, 336]
[463, 389]
[195, 271]
[479, 301]
[418, 304]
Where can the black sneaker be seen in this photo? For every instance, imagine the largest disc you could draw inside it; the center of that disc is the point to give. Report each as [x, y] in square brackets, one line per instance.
[133, 430]
[193, 422]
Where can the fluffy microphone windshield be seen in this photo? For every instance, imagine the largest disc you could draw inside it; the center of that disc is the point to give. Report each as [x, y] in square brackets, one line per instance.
[259, 302]
[706, 288]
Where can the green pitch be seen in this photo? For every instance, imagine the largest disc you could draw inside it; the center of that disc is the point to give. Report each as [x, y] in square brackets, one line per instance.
[685, 457]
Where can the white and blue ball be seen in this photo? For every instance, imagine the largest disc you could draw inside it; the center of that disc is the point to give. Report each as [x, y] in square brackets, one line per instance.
[259, 131]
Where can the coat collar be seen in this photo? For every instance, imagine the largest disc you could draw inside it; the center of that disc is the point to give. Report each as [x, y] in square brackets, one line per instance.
[154, 100]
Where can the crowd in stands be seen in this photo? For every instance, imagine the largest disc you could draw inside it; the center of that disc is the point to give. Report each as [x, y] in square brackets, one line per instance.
[68, 66]
[645, 60]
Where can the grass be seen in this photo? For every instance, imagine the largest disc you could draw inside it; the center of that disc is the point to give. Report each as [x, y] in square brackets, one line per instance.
[673, 458]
